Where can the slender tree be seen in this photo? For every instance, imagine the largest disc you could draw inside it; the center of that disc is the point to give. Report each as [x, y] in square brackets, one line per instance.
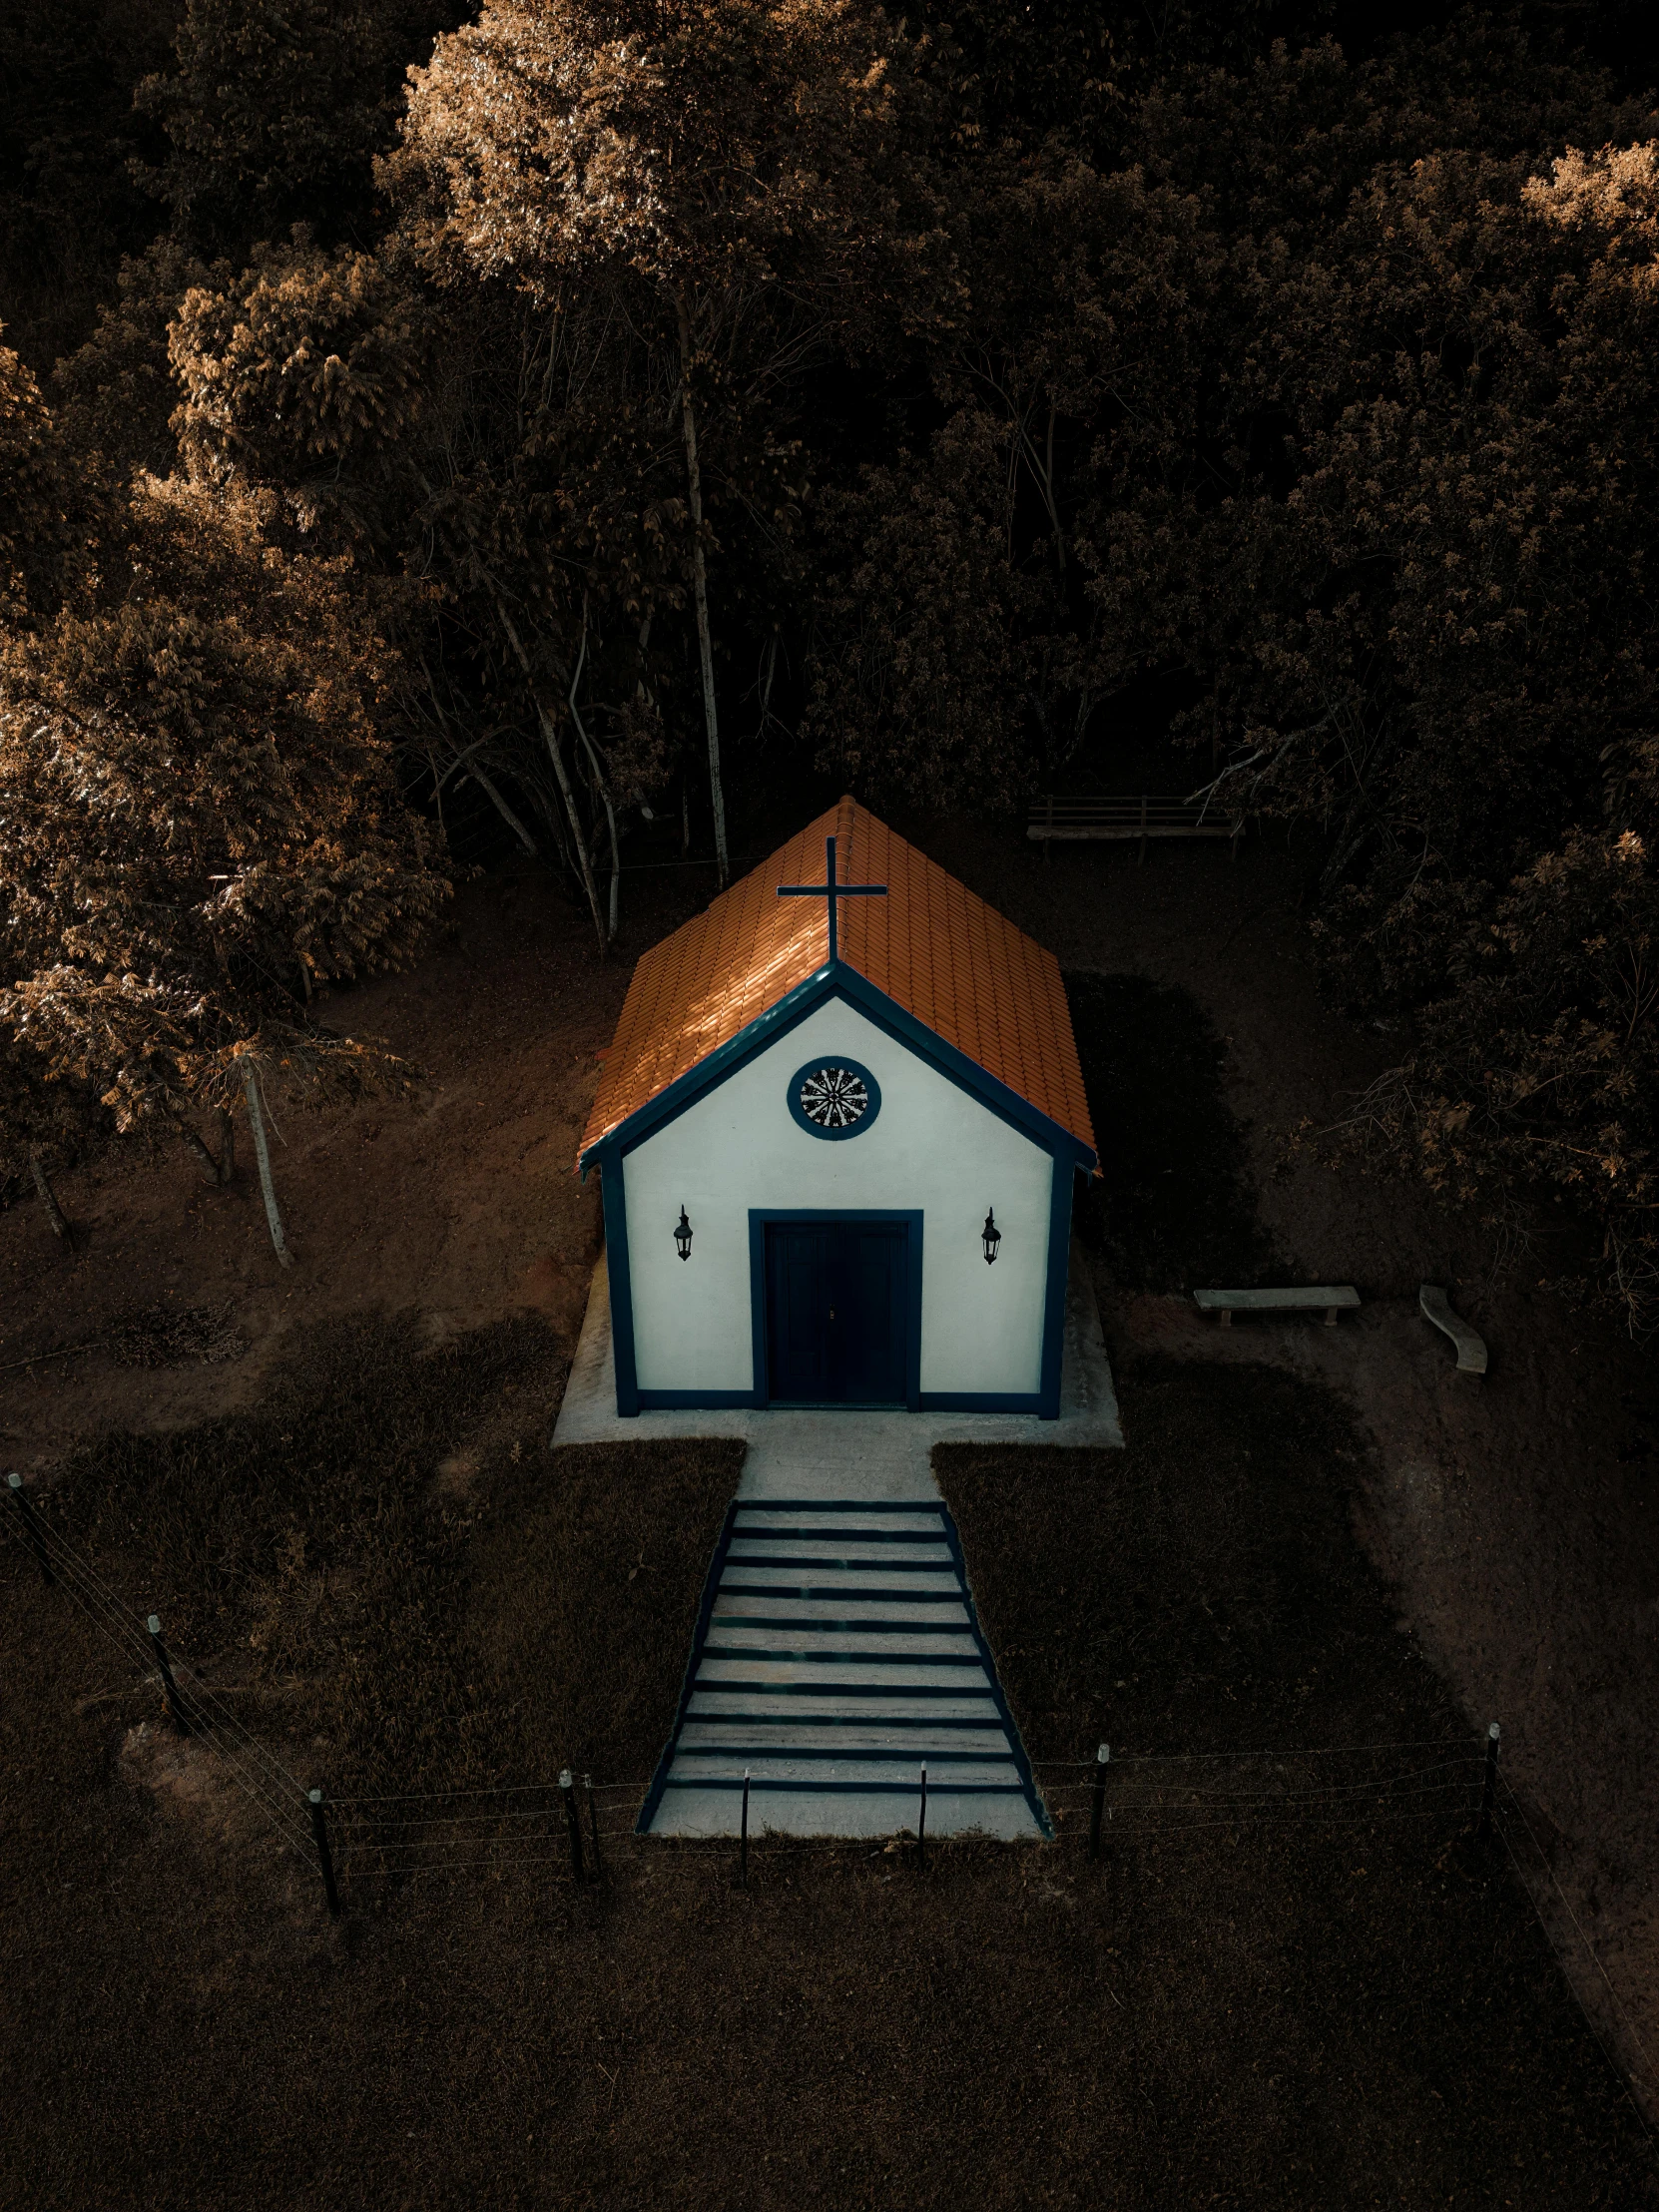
[199, 824]
[719, 167]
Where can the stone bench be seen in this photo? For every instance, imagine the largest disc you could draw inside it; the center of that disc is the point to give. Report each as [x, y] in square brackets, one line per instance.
[1472, 1349]
[1307, 1297]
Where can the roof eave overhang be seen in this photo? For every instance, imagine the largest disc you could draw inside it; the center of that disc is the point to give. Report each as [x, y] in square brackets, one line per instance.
[832, 977]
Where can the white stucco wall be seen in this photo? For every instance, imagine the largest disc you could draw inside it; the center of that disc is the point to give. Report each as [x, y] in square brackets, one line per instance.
[930, 1147]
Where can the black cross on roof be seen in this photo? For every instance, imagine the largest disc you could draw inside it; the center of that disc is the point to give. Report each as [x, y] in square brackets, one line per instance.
[832, 891]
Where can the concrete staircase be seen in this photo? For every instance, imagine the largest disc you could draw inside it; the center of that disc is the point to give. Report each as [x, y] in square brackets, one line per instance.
[837, 1650]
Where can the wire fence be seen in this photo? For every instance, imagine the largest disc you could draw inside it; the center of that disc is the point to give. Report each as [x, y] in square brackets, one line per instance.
[199, 1709]
[1532, 1869]
[574, 1829]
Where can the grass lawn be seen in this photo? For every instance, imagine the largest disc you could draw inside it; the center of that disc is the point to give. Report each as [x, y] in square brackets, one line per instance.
[406, 1590]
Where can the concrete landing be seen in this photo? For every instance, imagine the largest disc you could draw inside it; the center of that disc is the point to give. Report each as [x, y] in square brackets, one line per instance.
[838, 1654]
[827, 1454]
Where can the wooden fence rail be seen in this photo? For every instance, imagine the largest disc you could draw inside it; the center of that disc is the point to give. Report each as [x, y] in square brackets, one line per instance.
[1142, 815]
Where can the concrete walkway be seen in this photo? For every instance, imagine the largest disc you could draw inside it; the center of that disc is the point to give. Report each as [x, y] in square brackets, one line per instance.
[825, 1454]
[838, 1647]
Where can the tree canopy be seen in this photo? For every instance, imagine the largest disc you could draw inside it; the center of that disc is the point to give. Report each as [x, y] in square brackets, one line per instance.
[600, 410]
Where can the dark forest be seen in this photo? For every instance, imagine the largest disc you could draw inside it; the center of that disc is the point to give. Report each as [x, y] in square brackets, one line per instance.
[427, 441]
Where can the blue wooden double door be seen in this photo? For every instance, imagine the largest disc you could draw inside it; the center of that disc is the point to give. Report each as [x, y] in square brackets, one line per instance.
[838, 1297]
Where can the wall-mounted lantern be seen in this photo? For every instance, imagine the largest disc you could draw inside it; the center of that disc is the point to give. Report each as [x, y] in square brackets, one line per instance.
[683, 1236]
[990, 1236]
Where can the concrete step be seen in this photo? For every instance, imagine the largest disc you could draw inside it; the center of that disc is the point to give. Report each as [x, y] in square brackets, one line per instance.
[800, 1640]
[840, 1653]
[768, 1606]
[802, 1709]
[858, 1814]
[926, 1679]
[811, 1578]
[737, 1738]
[774, 1550]
[923, 1520]
[943, 1772]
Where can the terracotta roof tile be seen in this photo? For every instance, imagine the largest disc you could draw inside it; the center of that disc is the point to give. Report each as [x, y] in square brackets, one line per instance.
[937, 950]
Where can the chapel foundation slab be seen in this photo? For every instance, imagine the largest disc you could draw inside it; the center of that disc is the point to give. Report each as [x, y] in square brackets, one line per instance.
[812, 1452]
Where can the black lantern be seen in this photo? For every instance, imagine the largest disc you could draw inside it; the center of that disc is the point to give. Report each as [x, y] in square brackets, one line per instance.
[990, 1236]
[683, 1236]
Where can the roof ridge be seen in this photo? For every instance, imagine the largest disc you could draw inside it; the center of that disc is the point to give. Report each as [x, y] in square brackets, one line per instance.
[939, 950]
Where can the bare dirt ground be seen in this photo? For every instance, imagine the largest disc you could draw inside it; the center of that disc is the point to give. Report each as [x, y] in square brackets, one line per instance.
[464, 1205]
[1516, 1516]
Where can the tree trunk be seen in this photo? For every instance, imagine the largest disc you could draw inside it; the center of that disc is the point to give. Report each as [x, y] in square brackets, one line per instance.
[598, 776]
[54, 1212]
[616, 848]
[699, 591]
[226, 1146]
[262, 1152]
[505, 811]
[550, 737]
[192, 1143]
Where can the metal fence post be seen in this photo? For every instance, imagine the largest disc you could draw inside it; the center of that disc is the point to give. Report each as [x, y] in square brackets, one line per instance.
[593, 1828]
[324, 1857]
[1488, 1785]
[743, 1836]
[1102, 1759]
[37, 1541]
[567, 1783]
[179, 1720]
[922, 1821]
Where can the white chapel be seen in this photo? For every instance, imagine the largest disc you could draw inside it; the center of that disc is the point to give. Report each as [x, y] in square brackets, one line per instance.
[838, 1133]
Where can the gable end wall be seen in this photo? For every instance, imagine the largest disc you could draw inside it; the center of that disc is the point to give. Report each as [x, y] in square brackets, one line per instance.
[932, 1147]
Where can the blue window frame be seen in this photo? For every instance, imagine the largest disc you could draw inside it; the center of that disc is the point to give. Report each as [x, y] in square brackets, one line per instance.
[832, 1096]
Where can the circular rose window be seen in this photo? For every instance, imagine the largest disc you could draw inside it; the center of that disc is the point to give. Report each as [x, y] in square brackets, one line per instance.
[834, 1097]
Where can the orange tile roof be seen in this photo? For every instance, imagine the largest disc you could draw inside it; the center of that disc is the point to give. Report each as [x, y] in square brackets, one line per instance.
[939, 952]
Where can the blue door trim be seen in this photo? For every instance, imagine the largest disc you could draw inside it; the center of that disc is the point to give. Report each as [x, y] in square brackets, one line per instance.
[841, 1217]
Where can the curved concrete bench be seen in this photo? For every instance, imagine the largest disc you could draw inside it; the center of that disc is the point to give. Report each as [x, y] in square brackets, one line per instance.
[1472, 1349]
[1333, 1297]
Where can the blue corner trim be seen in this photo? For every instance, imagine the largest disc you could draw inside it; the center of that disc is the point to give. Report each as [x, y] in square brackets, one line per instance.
[910, 1217]
[966, 1074]
[705, 1611]
[622, 1294]
[1054, 1299]
[803, 1120]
